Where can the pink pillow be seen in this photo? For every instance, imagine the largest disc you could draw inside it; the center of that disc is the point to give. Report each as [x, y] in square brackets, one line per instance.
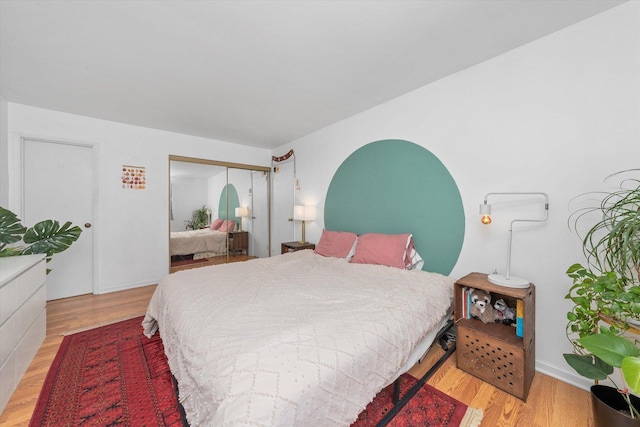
[227, 225]
[338, 244]
[216, 224]
[382, 249]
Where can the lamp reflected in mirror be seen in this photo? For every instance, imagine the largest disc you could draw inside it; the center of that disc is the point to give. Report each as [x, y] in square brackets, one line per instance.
[304, 213]
[241, 212]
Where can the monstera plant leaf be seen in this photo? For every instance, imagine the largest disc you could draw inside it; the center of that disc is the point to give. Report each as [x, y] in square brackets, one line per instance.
[47, 237]
[11, 231]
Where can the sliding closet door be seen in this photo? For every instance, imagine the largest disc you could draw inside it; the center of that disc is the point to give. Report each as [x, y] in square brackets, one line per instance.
[222, 187]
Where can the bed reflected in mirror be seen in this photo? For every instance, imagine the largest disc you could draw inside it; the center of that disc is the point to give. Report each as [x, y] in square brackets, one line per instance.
[219, 212]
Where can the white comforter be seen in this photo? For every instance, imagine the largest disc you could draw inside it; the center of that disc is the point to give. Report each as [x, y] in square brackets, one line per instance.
[292, 340]
[196, 241]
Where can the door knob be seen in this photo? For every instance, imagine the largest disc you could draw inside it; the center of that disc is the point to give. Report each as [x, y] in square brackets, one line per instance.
[87, 225]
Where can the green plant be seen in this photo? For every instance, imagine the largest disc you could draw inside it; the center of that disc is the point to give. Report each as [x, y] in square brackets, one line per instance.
[613, 242]
[607, 351]
[608, 285]
[599, 349]
[45, 237]
[594, 295]
[199, 219]
[607, 288]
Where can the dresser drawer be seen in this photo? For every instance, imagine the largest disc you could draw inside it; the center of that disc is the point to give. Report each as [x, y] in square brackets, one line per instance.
[14, 293]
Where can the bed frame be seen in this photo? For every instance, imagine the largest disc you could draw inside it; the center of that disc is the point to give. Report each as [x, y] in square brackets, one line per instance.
[446, 338]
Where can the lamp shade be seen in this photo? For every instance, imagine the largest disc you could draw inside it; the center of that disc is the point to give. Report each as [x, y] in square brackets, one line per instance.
[304, 213]
[242, 212]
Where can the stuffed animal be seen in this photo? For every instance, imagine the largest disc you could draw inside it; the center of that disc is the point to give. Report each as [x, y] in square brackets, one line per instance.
[507, 315]
[481, 306]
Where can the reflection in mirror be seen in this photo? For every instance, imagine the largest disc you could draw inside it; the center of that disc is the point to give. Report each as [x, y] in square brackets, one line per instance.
[248, 190]
[190, 184]
[219, 212]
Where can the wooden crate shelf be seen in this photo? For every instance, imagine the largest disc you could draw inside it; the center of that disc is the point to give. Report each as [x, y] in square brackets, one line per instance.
[493, 352]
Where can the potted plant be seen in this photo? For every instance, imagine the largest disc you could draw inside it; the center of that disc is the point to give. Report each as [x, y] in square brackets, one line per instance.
[199, 219]
[607, 290]
[45, 237]
[599, 349]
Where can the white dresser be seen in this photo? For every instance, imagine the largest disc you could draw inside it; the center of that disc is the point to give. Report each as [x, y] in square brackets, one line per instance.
[23, 319]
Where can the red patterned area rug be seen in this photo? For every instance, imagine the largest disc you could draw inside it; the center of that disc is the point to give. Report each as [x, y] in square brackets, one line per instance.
[108, 376]
[429, 407]
[114, 375]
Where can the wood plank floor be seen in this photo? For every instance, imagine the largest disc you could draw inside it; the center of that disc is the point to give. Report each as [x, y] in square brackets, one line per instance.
[550, 403]
[212, 261]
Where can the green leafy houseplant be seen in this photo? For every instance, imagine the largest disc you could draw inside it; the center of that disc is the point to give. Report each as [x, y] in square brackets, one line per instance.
[607, 288]
[613, 242]
[199, 219]
[609, 351]
[599, 349]
[600, 294]
[45, 237]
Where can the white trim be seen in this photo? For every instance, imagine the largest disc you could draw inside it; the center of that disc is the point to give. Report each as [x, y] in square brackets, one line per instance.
[127, 287]
[564, 375]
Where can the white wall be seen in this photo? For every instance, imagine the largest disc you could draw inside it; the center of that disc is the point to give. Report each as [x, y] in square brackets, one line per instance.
[131, 226]
[188, 194]
[556, 115]
[4, 137]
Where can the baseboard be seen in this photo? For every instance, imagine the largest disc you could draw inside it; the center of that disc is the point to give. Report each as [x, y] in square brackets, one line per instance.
[125, 287]
[564, 375]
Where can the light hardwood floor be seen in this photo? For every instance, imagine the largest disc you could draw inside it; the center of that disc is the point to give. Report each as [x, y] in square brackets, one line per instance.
[550, 403]
[212, 261]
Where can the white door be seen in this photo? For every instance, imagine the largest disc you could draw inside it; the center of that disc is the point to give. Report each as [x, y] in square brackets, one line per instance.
[260, 214]
[58, 185]
[283, 187]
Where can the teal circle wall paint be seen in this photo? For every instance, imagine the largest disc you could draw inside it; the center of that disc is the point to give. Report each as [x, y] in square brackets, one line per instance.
[229, 194]
[396, 186]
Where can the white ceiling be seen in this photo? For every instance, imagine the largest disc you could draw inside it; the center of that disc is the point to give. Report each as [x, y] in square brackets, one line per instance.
[259, 73]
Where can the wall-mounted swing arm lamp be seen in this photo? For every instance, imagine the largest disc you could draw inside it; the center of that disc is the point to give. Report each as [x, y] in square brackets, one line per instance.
[485, 210]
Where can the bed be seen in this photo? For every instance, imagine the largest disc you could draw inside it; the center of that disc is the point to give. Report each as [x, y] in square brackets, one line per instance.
[296, 339]
[203, 243]
[200, 243]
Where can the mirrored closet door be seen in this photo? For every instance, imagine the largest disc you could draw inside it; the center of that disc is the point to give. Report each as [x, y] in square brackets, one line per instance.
[219, 211]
